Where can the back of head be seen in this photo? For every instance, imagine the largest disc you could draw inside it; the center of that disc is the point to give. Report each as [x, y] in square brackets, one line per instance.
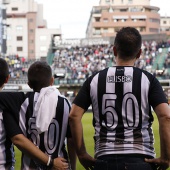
[39, 75]
[4, 71]
[128, 43]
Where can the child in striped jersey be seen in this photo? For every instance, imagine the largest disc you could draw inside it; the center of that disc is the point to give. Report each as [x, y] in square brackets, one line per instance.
[44, 119]
[12, 103]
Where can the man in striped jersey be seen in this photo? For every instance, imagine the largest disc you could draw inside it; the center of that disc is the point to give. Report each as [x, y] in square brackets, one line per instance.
[11, 101]
[121, 98]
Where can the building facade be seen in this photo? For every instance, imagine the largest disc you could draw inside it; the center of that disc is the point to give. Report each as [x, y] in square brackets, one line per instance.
[111, 15]
[27, 32]
[165, 23]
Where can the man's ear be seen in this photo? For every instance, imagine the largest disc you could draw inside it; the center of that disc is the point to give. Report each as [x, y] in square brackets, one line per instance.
[115, 51]
[7, 78]
[138, 54]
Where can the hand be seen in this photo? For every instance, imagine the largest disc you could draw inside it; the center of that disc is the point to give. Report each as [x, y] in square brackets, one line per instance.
[87, 161]
[60, 164]
[160, 163]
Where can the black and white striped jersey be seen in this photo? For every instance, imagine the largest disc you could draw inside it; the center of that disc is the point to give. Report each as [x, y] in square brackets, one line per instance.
[121, 99]
[51, 142]
[8, 101]
[6, 147]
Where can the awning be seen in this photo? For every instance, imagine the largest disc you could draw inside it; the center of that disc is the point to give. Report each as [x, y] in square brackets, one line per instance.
[138, 16]
[120, 17]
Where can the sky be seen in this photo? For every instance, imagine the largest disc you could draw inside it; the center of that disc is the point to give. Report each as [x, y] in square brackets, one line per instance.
[72, 16]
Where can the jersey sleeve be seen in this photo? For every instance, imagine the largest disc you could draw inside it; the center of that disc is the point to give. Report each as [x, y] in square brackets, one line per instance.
[156, 94]
[11, 124]
[10, 103]
[83, 99]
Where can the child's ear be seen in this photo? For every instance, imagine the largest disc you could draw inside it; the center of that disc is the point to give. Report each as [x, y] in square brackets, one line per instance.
[52, 81]
[115, 51]
[6, 80]
[139, 53]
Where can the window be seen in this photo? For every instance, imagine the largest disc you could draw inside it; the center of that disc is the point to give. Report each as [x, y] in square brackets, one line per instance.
[105, 20]
[97, 31]
[9, 37]
[154, 20]
[9, 48]
[19, 28]
[130, 1]
[105, 30]
[14, 9]
[142, 29]
[31, 30]
[123, 10]
[97, 19]
[43, 38]
[135, 9]
[164, 22]
[19, 49]
[154, 30]
[107, 1]
[43, 48]
[19, 38]
[117, 29]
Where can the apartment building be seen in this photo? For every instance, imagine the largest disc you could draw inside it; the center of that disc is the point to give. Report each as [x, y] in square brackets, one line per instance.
[111, 15]
[27, 32]
[165, 23]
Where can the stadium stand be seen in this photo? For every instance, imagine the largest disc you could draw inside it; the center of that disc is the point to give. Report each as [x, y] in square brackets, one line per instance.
[74, 64]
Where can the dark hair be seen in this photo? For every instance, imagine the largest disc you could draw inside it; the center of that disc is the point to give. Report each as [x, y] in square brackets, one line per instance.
[128, 42]
[4, 71]
[39, 75]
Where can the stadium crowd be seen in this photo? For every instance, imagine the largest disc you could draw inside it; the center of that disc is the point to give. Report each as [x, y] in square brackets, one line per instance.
[77, 63]
[80, 62]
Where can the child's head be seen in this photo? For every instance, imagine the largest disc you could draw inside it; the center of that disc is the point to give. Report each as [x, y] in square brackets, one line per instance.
[4, 72]
[39, 75]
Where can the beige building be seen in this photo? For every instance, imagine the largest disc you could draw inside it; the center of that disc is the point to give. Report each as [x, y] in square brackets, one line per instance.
[111, 15]
[27, 32]
[165, 24]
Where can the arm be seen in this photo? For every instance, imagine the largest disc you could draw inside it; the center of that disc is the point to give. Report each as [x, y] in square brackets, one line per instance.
[11, 103]
[72, 153]
[77, 134]
[28, 148]
[163, 114]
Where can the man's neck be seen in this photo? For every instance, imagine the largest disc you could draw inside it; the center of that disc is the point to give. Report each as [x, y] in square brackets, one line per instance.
[120, 62]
